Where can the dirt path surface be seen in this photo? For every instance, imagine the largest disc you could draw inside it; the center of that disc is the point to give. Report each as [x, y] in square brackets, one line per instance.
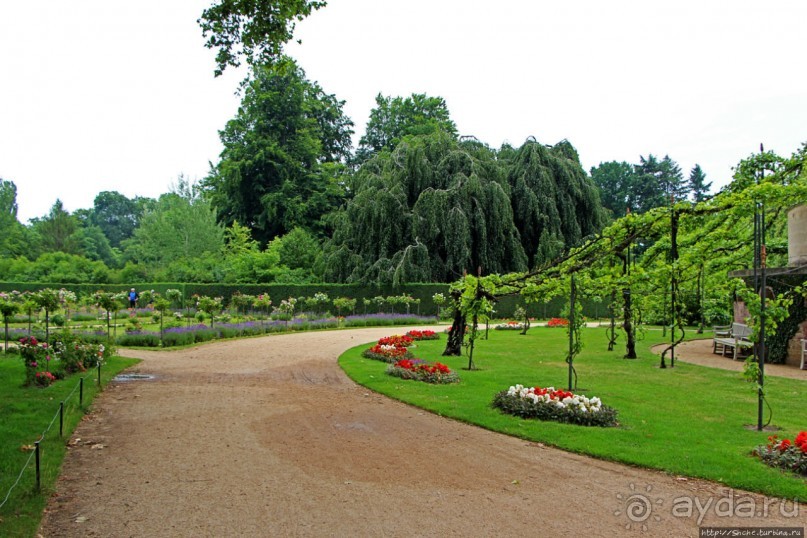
[268, 437]
[700, 352]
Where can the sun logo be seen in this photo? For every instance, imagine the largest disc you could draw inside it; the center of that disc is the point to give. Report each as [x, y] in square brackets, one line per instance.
[638, 507]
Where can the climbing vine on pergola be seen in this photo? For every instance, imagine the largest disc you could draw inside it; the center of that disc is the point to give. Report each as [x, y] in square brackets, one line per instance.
[683, 244]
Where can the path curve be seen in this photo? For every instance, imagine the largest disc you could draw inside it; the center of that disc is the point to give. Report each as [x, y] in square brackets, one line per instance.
[700, 352]
[268, 437]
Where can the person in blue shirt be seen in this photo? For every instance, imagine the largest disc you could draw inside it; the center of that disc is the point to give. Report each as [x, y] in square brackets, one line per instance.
[133, 298]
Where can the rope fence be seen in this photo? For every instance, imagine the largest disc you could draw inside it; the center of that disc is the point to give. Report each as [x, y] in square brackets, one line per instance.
[59, 415]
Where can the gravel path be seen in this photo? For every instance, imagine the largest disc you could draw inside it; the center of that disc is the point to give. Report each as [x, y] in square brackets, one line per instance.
[268, 437]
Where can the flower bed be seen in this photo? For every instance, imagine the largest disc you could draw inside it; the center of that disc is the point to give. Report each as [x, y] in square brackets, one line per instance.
[421, 370]
[386, 353]
[396, 340]
[509, 326]
[785, 454]
[558, 405]
[558, 322]
[423, 335]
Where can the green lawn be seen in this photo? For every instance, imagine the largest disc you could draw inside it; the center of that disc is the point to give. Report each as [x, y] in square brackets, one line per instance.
[688, 420]
[26, 413]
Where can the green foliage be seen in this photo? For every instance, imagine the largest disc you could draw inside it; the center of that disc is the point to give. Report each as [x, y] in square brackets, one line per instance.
[344, 305]
[555, 205]
[254, 30]
[180, 228]
[116, 216]
[434, 207]
[392, 119]
[12, 233]
[635, 254]
[279, 168]
[643, 186]
[56, 232]
[698, 185]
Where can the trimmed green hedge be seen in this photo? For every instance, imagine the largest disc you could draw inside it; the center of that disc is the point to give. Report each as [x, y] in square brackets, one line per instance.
[424, 292]
[277, 292]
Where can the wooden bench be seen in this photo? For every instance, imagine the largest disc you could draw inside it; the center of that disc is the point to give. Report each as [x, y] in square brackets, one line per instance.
[720, 332]
[738, 339]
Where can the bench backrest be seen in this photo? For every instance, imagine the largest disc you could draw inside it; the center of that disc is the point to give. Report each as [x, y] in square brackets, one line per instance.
[738, 330]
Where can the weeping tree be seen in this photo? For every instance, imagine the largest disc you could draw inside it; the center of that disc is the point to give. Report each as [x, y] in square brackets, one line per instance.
[434, 207]
[555, 204]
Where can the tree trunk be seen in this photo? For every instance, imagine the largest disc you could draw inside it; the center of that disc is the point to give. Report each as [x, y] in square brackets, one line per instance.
[630, 345]
[456, 334]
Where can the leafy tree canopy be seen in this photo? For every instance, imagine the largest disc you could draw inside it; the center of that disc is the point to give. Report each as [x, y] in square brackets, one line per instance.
[640, 187]
[12, 233]
[698, 185]
[282, 162]
[393, 118]
[256, 30]
[116, 215]
[56, 231]
[181, 226]
[434, 207]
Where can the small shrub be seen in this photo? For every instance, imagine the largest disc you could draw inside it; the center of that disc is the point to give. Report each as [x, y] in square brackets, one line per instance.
[44, 379]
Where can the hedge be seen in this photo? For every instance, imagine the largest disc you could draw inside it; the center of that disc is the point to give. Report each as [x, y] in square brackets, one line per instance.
[424, 292]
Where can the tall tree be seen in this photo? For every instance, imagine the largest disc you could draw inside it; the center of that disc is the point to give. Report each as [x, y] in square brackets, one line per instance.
[116, 215]
[281, 166]
[434, 207]
[57, 231]
[616, 182]
[555, 204]
[658, 182]
[698, 185]
[12, 233]
[181, 226]
[396, 117]
[255, 30]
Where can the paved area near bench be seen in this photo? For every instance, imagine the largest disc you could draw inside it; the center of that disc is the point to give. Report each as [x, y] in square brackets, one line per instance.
[268, 437]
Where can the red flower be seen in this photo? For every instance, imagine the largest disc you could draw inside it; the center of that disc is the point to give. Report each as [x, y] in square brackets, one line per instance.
[395, 340]
[801, 440]
[783, 445]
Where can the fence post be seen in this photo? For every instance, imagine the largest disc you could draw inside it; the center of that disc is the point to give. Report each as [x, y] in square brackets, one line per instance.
[81, 392]
[99, 376]
[37, 466]
[61, 419]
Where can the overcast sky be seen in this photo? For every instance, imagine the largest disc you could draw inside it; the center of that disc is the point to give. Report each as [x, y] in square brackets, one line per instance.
[104, 95]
